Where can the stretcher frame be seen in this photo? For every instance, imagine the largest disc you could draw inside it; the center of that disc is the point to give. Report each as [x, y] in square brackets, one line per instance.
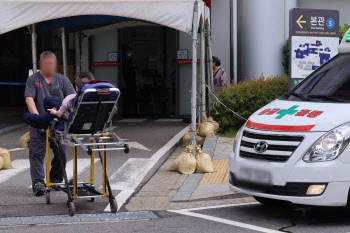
[91, 143]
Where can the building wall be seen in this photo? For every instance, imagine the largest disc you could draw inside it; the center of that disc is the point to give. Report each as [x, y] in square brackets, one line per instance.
[184, 76]
[221, 28]
[262, 32]
[103, 43]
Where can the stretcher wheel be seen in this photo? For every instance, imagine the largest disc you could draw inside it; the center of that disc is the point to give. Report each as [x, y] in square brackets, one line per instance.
[113, 205]
[127, 148]
[92, 199]
[47, 196]
[71, 208]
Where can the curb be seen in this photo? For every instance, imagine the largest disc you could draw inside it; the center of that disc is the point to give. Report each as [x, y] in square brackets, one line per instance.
[191, 182]
[11, 128]
[79, 218]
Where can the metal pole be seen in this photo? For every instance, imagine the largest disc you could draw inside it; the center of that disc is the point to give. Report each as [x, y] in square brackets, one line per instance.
[64, 52]
[234, 39]
[194, 77]
[202, 72]
[210, 61]
[34, 53]
[209, 64]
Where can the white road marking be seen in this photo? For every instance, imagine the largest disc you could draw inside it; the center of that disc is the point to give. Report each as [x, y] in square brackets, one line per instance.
[188, 212]
[83, 164]
[19, 165]
[17, 149]
[217, 206]
[130, 174]
[139, 168]
[136, 120]
[137, 145]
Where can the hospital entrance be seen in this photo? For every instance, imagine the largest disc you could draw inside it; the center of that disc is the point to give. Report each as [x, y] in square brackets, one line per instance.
[144, 53]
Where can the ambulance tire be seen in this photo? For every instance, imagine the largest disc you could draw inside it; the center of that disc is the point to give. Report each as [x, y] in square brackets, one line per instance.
[273, 202]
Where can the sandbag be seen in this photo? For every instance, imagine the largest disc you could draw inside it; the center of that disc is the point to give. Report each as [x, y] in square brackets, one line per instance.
[216, 124]
[200, 140]
[23, 141]
[204, 163]
[206, 129]
[1, 163]
[186, 139]
[5, 154]
[185, 163]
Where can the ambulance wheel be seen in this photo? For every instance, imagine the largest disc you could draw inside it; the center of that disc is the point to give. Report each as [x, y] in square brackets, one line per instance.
[47, 196]
[71, 208]
[127, 148]
[114, 206]
[272, 202]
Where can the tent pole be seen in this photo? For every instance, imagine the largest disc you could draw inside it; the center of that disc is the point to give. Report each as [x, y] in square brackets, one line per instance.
[202, 73]
[234, 39]
[194, 77]
[210, 65]
[34, 52]
[64, 52]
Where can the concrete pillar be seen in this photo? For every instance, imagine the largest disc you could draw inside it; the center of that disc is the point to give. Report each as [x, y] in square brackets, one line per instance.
[262, 27]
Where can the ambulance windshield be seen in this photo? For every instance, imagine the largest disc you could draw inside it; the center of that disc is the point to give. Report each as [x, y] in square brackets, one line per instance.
[330, 83]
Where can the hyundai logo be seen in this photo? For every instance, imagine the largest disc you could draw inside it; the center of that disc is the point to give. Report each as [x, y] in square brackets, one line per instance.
[261, 147]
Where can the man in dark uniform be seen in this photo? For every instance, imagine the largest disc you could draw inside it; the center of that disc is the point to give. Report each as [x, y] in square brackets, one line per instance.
[130, 84]
[46, 83]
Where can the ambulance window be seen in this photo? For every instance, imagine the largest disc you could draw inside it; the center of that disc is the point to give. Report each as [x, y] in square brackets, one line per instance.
[330, 83]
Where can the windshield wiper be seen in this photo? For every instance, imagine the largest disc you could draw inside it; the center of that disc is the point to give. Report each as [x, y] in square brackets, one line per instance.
[329, 97]
[298, 95]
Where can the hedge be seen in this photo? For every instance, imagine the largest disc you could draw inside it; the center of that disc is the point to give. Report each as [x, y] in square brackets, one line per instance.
[245, 98]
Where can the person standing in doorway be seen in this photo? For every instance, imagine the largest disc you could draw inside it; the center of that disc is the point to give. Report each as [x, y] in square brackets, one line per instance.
[130, 83]
[46, 83]
[219, 75]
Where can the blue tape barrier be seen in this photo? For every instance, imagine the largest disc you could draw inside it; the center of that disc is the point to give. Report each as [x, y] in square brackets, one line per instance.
[13, 83]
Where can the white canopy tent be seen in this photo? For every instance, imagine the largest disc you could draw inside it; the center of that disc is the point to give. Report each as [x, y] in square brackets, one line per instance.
[189, 16]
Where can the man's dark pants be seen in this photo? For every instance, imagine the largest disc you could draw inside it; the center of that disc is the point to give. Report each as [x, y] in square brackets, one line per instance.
[37, 151]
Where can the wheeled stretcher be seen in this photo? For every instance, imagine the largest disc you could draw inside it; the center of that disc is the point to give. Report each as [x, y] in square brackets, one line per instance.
[88, 127]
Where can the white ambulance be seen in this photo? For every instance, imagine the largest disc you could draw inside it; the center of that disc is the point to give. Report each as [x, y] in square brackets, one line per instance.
[296, 148]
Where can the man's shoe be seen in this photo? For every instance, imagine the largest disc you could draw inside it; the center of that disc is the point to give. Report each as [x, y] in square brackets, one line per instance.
[39, 189]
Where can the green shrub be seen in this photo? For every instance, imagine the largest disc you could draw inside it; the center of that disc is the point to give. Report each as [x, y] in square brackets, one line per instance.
[342, 30]
[285, 62]
[245, 98]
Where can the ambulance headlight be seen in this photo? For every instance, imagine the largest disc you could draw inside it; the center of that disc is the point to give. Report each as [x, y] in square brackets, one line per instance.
[330, 145]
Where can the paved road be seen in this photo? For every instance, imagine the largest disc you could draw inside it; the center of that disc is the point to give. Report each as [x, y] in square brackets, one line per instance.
[148, 138]
[255, 217]
[238, 218]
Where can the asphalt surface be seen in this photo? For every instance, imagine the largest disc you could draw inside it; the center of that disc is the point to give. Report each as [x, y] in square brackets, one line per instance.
[148, 136]
[17, 198]
[240, 218]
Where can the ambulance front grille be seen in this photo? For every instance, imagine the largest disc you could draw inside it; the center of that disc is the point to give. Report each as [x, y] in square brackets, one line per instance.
[279, 147]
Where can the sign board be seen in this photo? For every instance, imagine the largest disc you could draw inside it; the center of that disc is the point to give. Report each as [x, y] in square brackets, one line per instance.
[112, 56]
[105, 63]
[182, 54]
[186, 61]
[313, 40]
